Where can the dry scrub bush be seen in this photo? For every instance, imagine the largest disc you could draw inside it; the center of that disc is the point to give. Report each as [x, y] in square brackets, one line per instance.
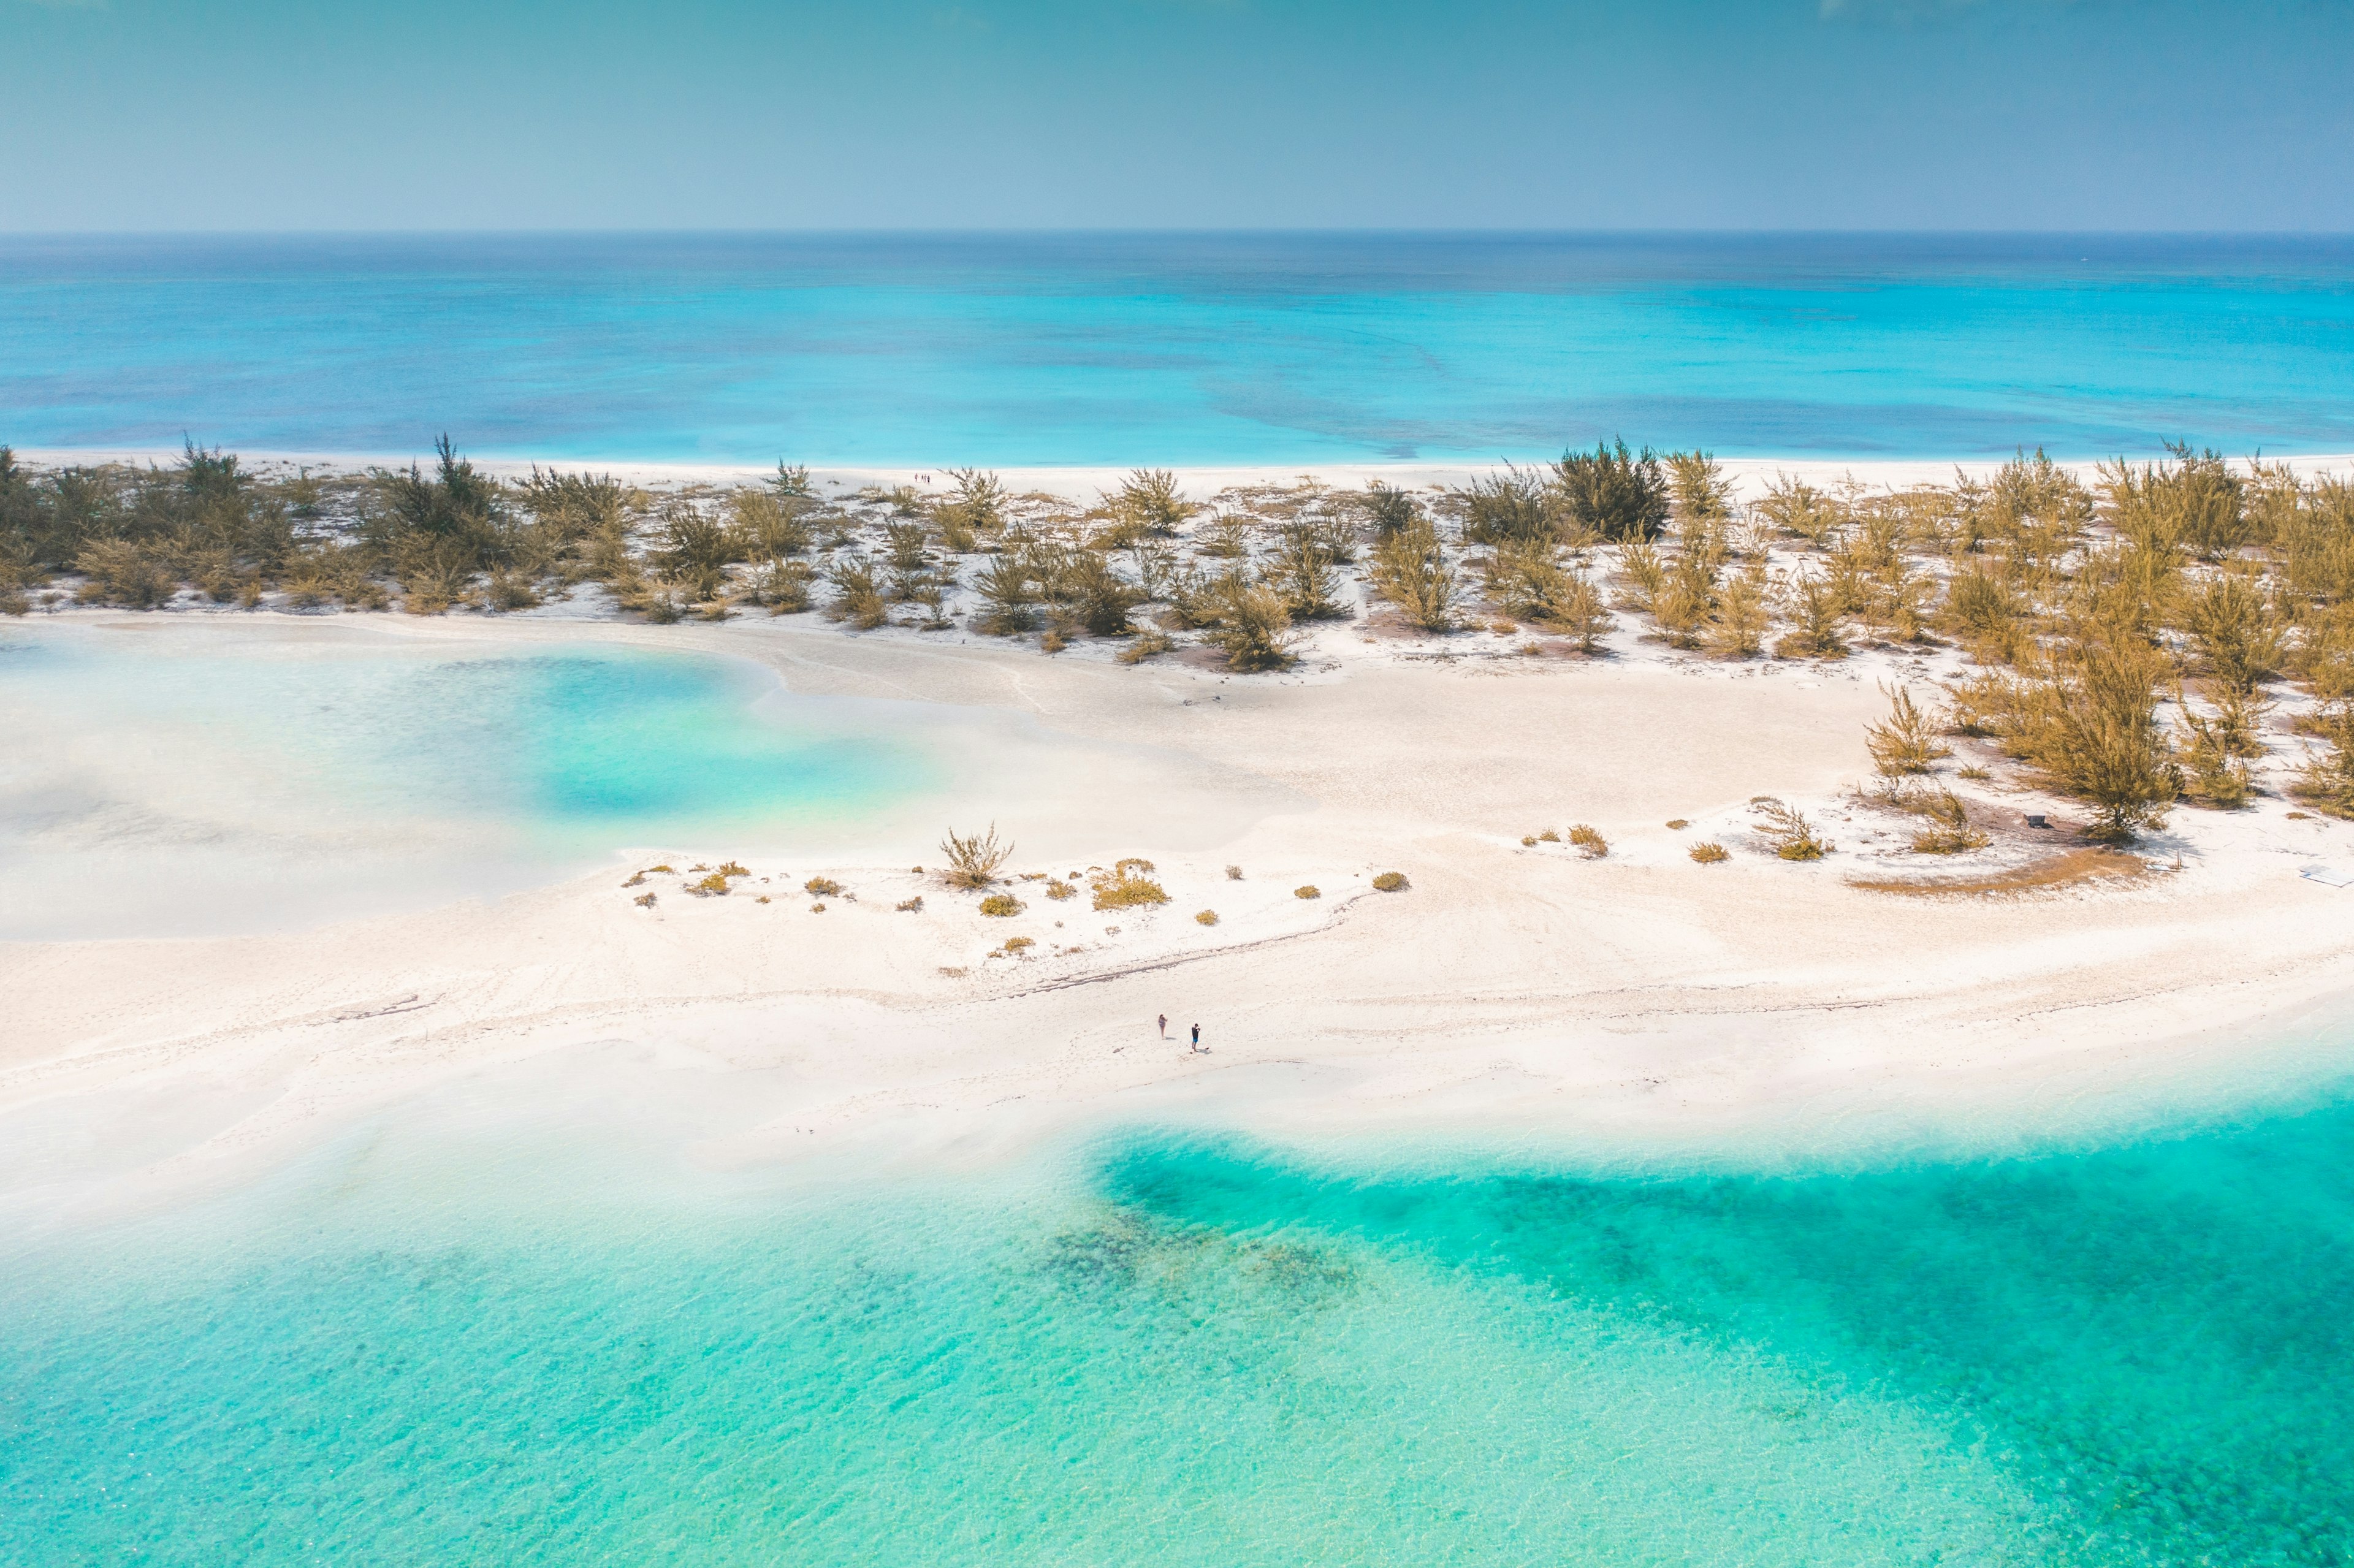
[716, 883]
[1058, 890]
[821, 887]
[1906, 741]
[1953, 832]
[1127, 886]
[1786, 829]
[1014, 947]
[858, 596]
[1589, 843]
[2327, 781]
[1206, 917]
[975, 859]
[1611, 492]
[1819, 611]
[1391, 881]
[1411, 571]
[1143, 646]
[2096, 737]
[2233, 628]
[911, 906]
[1308, 890]
[1255, 631]
[1710, 852]
[1001, 906]
[1744, 613]
[1233, 873]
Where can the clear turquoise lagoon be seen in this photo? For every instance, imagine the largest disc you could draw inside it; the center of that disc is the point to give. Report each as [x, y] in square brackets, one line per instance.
[1162, 1347]
[1178, 349]
[169, 778]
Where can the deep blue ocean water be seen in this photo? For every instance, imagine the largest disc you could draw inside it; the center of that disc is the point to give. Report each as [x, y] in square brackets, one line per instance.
[1172, 1350]
[933, 350]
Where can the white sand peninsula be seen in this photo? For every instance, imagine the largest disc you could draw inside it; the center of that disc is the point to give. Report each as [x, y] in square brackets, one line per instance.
[1535, 988]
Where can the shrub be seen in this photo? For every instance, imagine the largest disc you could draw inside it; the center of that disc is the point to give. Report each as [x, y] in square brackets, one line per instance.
[2099, 738]
[1233, 873]
[1787, 830]
[1677, 823]
[1905, 742]
[1058, 890]
[2327, 781]
[1391, 881]
[1151, 496]
[911, 906]
[858, 596]
[2214, 774]
[654, 870]
[644, 901]
[1817, 608]
[1952, 833]
[1051, 641]
[1001, 906]
[709, 886]
[1614, 493]
[1255, 629]
[1736, 629]
[1014, 947]
[1308, 891]
[975, 859]
[1389, 509]
[1410, 570]
[1301, 574]
[1145, 645]
[1510, 507]
[1590, 843]
[821, 887]
[817, 909]
[1710, 852]
[1128, 884]
[1206, 917]
[732, 869]
[2234, 630]
[637, 880]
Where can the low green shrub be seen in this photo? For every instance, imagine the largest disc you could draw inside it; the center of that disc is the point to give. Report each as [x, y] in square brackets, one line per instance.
[1308, 890]
[1391, 881]
[821, 887]
[1001, 906]
[1206, 917]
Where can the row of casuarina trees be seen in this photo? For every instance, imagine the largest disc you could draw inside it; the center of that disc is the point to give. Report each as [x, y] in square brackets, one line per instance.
[2129, 635]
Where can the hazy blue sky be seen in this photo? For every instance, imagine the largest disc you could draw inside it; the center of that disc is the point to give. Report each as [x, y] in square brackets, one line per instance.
[1245, 114]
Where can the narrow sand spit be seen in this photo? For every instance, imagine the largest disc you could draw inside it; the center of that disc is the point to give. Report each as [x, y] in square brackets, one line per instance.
[1509, 985]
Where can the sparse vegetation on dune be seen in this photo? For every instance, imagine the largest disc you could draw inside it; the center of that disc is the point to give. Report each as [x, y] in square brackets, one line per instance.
[2125, 627]
[1390, 882]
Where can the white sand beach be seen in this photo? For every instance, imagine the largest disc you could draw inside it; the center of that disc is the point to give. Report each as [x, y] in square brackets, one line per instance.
[1527, 990]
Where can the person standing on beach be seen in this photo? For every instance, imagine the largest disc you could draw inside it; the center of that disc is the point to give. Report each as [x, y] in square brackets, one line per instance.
[1164, 1026]
[1197, 1041]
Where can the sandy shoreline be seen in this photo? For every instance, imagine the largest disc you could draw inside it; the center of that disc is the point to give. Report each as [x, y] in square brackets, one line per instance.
[1522, 992]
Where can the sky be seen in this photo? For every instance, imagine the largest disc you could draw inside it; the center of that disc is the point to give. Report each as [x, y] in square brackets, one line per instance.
[1573, 115]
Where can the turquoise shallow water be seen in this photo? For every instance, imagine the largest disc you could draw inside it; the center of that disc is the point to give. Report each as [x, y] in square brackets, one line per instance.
[1177, 349]
[1170, 1350]
[174, 778]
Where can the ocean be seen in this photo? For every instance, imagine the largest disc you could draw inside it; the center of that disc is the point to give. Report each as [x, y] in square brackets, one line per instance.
[1004, 350]
[1161, 1346]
